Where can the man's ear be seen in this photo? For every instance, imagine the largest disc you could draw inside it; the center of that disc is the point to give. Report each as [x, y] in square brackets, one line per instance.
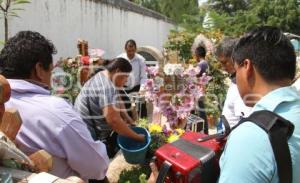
[39, 71]
[249, 69]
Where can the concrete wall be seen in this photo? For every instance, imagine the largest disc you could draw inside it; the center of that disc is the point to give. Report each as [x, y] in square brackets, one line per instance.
[105, 24]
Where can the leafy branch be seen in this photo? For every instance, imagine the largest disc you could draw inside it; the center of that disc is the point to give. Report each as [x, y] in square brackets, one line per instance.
[9, 8]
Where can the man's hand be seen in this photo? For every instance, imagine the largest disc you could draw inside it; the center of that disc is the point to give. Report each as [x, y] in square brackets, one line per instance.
[154, 174]
[141, 138]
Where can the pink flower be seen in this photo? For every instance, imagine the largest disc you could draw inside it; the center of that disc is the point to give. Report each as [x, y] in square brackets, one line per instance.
[152, 71]
[149, 83]
[85, 60]
[204, 79]
[60, 90]
[176, 105]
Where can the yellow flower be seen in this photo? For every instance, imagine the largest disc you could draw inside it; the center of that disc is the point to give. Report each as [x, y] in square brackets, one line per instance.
[155, 128]
[172, 138]
[180, 131]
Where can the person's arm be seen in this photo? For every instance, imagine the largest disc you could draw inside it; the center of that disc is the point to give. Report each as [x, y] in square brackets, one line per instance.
[203, 68]
[248, 156]
[113, 118]
[228, 108]
[111, 112]
[84, 155]
[123, 112]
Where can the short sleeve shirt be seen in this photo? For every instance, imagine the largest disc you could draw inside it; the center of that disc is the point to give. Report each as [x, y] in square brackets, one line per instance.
[248, 156]
[96, 94]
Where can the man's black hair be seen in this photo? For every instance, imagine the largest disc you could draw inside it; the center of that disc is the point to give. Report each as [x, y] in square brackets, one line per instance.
[200, 51]
[22, 52]
[120, 64]
[130, 41]
[226, 46]
[270, 51]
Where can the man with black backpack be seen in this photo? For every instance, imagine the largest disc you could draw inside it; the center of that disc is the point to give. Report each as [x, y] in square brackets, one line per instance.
[265, 65]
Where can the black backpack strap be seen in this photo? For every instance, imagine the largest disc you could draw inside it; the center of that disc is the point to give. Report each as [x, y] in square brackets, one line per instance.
[218, 136]
[226, 125]
[163, 172]
[279, 131]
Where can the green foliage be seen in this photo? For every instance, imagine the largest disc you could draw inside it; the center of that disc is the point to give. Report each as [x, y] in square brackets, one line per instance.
[216, 89]
[174, 9]
[150, 4]
[66, 84]
[229, 6]
[181, 42]
[193, 23]
[142, 122]
[141, 173]
[157, 140]
[138, 174]
[235, 17]
[10, 8]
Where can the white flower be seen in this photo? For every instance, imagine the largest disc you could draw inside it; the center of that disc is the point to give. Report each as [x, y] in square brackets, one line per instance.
[70, 61]
[178, 71]
[168, 69]
[173, 69]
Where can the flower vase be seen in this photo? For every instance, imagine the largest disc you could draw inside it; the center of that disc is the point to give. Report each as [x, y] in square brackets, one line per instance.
[169, 84]
[181, 123]
[211, 121]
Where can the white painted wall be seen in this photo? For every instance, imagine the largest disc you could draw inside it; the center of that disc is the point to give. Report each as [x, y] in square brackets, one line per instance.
[102, 25]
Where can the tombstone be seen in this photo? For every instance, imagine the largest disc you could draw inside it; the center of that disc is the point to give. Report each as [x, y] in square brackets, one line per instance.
[195, 124]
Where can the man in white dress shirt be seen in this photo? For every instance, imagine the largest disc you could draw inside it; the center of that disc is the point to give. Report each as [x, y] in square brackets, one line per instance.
[234, 108]
[137, 76]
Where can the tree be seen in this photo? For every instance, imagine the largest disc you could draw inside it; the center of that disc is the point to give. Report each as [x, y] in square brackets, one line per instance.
[174, 9]
[284, 14]
[9, 8]
[235, 17]
[151, 4]
[229, 6]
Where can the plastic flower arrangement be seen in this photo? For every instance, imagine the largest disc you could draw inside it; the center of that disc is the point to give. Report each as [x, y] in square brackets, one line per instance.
[175, 90]
[70, 74]
[162, 135]
[155, 128]
[65, 78]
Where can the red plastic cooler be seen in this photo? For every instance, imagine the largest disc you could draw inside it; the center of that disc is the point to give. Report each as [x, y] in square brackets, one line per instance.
[189, 159]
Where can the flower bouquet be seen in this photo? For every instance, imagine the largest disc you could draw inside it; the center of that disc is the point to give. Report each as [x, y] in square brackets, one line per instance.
[70, 74]
[175, 91]
[162, 135]
[66, 78]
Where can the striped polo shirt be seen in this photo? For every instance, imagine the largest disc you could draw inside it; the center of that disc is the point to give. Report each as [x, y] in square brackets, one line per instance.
[96, 94]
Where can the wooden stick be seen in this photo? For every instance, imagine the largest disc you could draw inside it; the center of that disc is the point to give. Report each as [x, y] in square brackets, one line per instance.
[11, 123]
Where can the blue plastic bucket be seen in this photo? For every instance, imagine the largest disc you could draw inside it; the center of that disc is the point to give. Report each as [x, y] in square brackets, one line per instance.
[134, 151]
